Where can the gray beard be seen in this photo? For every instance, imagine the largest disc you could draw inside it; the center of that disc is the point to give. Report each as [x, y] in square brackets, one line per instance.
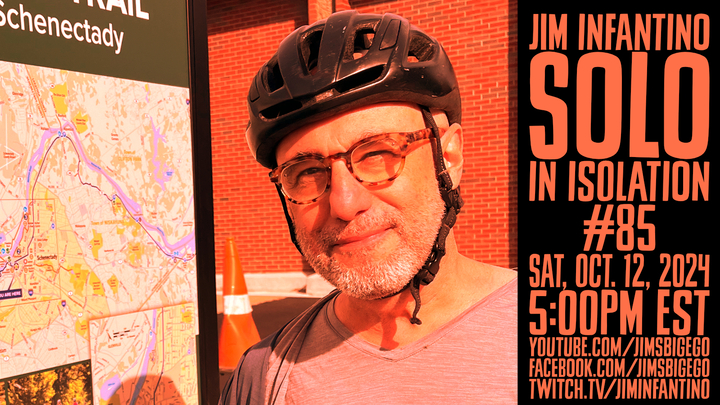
[366, 277]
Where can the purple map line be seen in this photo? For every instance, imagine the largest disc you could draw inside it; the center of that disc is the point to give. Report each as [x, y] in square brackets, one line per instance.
[188, 242]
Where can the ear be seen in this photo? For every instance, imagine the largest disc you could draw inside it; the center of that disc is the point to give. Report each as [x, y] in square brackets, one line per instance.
[452, 146]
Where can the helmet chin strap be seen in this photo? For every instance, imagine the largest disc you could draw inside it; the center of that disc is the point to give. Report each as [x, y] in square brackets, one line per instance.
[288, 219]
[453, 203]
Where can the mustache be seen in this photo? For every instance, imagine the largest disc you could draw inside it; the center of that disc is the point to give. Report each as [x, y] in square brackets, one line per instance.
[331, 234]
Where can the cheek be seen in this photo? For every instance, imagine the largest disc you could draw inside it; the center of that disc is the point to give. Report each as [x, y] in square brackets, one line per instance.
[419, 175]
[411, 189]
[308, 217]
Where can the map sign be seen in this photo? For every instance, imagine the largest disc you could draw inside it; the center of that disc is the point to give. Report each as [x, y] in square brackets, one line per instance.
[96, 208]
[145, 357]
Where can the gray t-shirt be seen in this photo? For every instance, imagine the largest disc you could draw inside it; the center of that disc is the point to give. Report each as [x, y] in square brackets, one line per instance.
[470, 360]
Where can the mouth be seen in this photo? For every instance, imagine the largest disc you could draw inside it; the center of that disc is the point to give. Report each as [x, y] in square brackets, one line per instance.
[360, 241]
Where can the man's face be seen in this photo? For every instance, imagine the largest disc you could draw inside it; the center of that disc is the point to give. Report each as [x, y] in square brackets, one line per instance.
[368, 241]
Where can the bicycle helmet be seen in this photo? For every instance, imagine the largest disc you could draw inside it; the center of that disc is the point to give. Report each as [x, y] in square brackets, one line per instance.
[344, 62]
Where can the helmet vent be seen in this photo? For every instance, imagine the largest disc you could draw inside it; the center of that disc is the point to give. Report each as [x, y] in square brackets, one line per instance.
[359, 79]
[310, 49]
[421, 48]
[280, 109]
[360, 41]
[363, 42]
[273, 78]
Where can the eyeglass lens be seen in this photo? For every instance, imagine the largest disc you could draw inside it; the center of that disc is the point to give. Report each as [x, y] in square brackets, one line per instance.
[374, 161]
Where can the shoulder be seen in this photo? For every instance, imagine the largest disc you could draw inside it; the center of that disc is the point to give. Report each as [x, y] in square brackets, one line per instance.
[478, 280]
[248, 382]
[503, 285]
[505, 296]
[495, 315]
[498, 277]
[246, 385]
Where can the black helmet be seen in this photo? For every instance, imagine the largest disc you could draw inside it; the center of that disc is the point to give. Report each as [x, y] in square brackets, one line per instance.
[347, 61]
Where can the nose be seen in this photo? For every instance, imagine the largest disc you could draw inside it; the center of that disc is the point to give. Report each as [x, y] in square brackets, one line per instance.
[348, 197]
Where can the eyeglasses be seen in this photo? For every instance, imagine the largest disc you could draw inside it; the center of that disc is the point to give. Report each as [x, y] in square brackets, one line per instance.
[373, 161]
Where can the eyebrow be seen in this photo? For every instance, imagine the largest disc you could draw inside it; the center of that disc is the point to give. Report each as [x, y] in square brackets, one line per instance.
[304, 154]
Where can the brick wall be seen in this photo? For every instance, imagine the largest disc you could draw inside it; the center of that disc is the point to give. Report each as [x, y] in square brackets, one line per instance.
[242, 36]
[481, 39]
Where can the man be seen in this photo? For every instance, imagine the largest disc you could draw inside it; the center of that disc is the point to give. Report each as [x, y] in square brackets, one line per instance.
[358, 116]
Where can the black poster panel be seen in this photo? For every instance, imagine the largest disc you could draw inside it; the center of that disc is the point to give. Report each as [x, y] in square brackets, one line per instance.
[616, 156]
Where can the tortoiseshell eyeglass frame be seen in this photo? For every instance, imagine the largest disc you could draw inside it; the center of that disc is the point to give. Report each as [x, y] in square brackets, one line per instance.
[406, 139]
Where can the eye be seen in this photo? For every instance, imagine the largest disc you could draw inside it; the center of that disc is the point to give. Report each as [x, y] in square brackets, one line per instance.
[309, 172]
[303, 175]
[376, 155]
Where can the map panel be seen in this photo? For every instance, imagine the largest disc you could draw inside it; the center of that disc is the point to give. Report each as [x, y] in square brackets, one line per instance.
[146, 357]
[96, 208]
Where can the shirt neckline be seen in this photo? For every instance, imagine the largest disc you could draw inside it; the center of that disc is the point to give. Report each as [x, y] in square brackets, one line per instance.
[406, 351]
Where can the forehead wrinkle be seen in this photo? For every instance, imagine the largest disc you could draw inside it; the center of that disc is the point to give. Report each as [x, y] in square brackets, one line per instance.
[359, 137]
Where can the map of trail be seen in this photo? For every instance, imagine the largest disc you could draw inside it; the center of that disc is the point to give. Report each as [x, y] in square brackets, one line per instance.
[146, 357]
[96, 208]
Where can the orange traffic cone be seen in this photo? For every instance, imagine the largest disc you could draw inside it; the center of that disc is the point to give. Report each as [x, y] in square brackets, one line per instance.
[238, 331]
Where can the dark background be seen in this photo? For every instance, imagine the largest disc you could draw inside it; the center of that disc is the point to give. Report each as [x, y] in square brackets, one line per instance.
[153, 50]
[556, 227]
